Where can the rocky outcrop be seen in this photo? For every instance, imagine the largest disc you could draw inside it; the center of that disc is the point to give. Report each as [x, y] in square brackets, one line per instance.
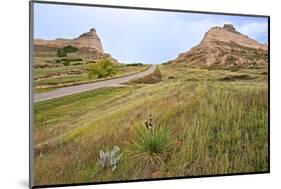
[230, 28]
[225, 46]
[88, 41]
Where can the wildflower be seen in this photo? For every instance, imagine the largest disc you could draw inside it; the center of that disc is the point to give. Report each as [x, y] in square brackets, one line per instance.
[148, 122]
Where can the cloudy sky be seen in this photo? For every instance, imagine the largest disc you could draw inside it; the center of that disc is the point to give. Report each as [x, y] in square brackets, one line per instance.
[138, 35]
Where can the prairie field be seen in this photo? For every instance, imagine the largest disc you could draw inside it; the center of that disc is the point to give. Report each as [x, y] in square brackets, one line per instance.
[180, 121]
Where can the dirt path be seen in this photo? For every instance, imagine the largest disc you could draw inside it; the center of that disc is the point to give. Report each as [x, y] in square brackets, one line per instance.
[89, 86]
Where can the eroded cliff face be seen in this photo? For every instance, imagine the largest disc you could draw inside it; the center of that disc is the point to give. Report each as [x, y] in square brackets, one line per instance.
[225, 46]
[88, 41]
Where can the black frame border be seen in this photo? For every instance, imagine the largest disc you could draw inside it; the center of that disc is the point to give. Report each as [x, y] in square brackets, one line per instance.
[31, 36]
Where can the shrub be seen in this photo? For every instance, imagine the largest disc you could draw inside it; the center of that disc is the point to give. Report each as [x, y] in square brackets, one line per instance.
[236, 77]
[69, 49]
[66, 63]
[167, 63]
[77, 63]
[61, 53]
[171, 77]
[150, 147]
[134, 64]
[71, 59]
[91, 61]
[101, 69]
[109, 158]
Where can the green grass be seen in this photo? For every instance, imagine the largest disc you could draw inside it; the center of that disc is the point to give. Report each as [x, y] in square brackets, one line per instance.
[210, 126]
[54, 118]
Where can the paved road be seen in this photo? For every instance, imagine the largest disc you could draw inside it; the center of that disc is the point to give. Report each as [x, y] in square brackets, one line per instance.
[90, 86]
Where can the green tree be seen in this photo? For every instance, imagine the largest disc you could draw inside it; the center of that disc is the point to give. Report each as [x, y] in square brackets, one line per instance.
[101, 69]
[69, 49]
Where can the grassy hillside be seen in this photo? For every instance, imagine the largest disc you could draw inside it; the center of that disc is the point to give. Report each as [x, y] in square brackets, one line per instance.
[201, 122]
[52, 71]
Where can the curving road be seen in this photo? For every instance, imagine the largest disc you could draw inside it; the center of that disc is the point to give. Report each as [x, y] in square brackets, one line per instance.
[90, 86]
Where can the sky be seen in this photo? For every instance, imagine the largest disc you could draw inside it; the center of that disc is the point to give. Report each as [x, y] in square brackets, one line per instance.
[151, 37]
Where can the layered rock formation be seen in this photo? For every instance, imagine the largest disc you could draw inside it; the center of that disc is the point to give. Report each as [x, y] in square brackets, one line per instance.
[88, 41]
[225, 46]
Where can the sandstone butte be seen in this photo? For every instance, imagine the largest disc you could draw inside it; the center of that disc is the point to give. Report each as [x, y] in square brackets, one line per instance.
[88, 41]
[225, 46]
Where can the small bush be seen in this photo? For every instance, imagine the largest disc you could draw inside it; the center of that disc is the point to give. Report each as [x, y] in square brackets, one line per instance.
[71, 59]
[167, 63]
[109, 158]
[61, 53]
[91, 61]
[67, 63]
[263, 73]
[101, 69]
[69, 49]
[236, 77]
[134, 64]
[171, 77]
[77, 63]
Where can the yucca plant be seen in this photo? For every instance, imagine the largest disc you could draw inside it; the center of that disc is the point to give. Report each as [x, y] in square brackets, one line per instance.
[150, 146]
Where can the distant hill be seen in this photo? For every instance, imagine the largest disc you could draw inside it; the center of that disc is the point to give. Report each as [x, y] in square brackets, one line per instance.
[88, 43]
[225, 46]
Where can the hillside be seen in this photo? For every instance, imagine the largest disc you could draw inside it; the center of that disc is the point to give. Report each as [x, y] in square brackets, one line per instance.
[63, 62]
[225, 46]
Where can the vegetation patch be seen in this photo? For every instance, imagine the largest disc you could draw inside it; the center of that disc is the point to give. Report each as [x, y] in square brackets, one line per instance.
[150, 146]
[155, 77]
[67, 49]
[264, 73]
[230, 68]
[236, 77]
[134, 64]
[103, 68]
